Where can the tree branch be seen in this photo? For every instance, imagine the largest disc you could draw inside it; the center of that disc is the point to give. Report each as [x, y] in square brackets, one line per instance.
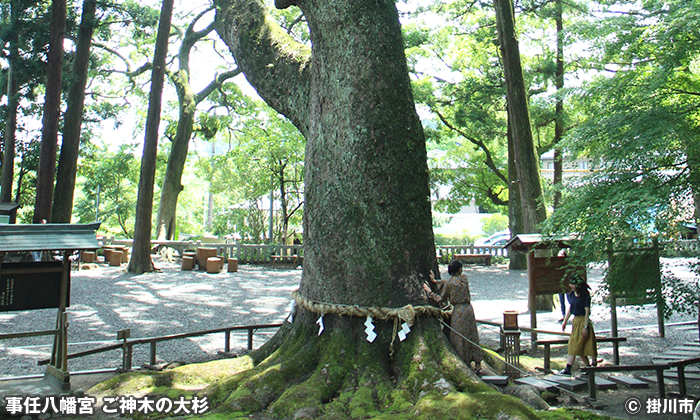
[216, 83]
[480, 144]
[273, 62]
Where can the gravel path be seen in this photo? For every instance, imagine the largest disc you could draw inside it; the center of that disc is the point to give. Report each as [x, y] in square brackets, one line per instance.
[108, 299]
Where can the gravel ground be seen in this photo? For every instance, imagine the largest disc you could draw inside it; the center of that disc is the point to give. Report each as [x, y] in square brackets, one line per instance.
[105, 300]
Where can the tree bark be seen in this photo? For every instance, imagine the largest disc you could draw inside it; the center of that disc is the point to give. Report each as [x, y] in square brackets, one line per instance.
[52, 110]
[559, 107]
[68, 161]
[526, 159]
[517, 259]
[8, 157]
[141, 256]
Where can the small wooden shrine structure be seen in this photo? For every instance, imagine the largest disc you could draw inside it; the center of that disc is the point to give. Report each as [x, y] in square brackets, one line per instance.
[30, 284]
[8, 213]
[546, 268]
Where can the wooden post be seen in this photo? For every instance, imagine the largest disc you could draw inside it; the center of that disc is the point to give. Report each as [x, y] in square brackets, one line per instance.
[532, 298]
[591, 385]
[152, 358]
[681, 379]
[660, 380]
[547, 357]
[659, 297]
[227, 341]
[250, 339]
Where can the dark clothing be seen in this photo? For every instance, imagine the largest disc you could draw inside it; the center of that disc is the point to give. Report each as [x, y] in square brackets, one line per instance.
[579, 303]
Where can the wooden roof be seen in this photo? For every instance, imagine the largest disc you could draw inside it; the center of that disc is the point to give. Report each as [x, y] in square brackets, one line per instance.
[48, 237]
[7, 208]
[526, 242]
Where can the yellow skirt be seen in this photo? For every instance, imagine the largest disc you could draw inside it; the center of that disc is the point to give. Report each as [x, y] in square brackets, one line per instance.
[577, 345]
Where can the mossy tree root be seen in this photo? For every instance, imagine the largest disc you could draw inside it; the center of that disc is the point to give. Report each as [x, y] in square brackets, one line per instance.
[339, 375]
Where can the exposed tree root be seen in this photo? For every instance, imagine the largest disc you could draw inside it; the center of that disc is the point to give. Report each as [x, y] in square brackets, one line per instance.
[339, 375]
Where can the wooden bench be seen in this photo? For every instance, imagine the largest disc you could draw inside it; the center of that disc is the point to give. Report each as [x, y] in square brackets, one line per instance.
[484, 259]
[295, 260]
[591, 371]
[549, 343]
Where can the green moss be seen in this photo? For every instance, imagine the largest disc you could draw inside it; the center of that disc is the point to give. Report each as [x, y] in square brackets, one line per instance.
[571, 414]
[458, 405]
[179, 381]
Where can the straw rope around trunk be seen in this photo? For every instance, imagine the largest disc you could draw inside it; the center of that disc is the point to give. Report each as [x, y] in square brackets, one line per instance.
[406, 313]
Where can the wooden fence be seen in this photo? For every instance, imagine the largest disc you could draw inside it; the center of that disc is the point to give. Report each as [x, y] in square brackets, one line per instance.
[262, 253]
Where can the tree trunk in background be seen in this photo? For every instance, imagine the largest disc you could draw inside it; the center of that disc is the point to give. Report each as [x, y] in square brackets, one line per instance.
[559, 107]
[517, 260]
[8, 158]
[141, 256]
[52, 112]
[526, 159]
[187, 101]
[68, 161]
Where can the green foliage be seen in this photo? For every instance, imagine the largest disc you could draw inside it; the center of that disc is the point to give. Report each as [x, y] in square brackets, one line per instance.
[116, 174]
[494, 223]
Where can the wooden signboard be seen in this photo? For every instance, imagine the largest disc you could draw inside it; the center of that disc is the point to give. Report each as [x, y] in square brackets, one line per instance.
[635, 275]
[31, 285]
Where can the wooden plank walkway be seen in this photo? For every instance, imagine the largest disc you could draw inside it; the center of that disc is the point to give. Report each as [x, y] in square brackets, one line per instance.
[687, 350]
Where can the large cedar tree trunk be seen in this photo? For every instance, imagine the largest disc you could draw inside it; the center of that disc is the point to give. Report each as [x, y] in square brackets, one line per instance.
[141, 256]
[368, 238]
[52, 111]
[526, 159]
[68, 161]
[8, 157]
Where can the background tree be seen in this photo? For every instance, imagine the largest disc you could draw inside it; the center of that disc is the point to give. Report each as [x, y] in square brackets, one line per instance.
[141, 256]
[526, 159]
[62, 209]
[187, 105]
[115, 195]
[366, 194]
[52, 109]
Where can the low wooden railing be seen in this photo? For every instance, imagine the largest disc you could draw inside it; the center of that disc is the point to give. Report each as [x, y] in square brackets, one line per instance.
[127, 346]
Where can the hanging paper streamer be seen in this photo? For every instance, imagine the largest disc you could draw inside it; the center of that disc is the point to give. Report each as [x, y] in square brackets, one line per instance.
[405, 329]
[292, 310]
[371, 335]
[319, 321]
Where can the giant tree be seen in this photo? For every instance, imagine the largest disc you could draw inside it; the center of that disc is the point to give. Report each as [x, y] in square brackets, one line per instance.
[368, 240]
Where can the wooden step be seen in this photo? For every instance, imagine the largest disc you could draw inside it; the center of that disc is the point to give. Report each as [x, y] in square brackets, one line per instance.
[674, 375]
[629, 381]
[684, 353]
[540, 384]
[567, 382]
[495, 380]
[604, 384]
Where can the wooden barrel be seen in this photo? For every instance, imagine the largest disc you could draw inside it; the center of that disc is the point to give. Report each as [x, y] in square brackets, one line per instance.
[87, 256]
[107, 252]
[213, 265]
[232, 265]
[187, 263]
[203, 255]
[115, 258]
